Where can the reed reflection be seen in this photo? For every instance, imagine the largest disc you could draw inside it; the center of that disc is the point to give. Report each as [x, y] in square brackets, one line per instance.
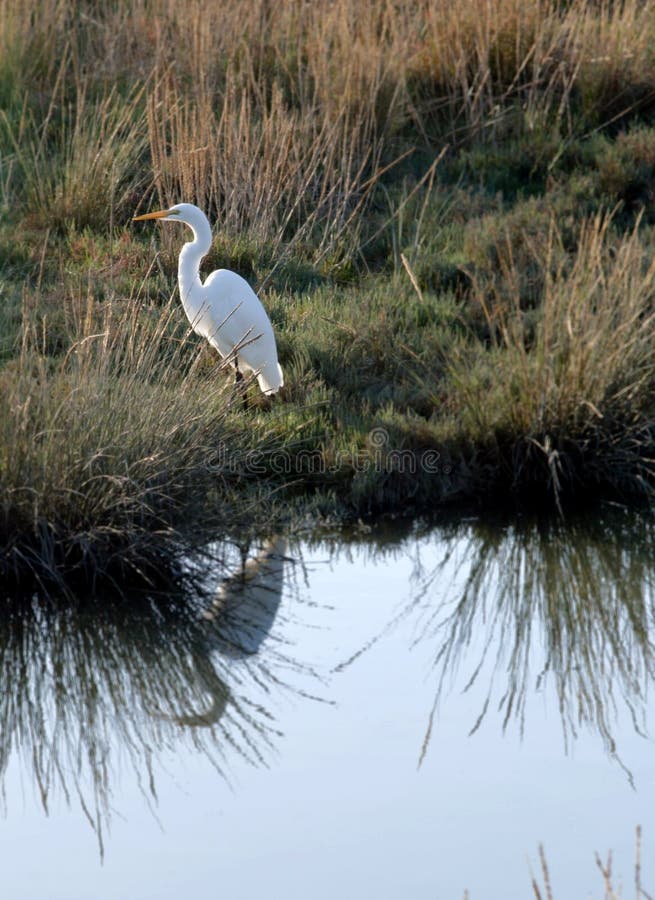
[133, 675]
[559, 608]
[554, 606]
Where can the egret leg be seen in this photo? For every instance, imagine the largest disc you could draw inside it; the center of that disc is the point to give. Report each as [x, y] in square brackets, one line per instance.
[239, 383]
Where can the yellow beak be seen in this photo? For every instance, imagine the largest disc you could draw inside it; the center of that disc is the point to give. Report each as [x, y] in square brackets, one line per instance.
[154, 215]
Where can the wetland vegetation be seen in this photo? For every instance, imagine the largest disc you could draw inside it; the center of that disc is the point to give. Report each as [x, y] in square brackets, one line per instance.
[448, 213]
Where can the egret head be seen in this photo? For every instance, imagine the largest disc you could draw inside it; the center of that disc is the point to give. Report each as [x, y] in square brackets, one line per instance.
[188, 214]
[181, 212]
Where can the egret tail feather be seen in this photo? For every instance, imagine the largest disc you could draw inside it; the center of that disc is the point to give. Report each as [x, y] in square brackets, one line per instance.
[271, 379]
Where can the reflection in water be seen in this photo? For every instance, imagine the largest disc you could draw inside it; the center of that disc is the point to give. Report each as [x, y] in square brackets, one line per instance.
[119, 676]
[238, 621]
[546, 604]
[247, 601]
[535, 606]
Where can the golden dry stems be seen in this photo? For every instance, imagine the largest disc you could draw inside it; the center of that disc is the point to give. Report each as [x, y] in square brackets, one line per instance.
[275, 115]
[610, 890]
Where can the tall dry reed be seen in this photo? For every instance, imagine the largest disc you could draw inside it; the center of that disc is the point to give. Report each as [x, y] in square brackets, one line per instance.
[279, 117]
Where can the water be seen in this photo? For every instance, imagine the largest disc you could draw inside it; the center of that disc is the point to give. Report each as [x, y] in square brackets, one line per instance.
[388, 714]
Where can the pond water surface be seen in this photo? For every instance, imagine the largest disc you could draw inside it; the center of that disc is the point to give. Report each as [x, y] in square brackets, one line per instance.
[400, 713]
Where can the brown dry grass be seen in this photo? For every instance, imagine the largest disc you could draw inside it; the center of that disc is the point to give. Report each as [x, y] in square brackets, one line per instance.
[277, 116]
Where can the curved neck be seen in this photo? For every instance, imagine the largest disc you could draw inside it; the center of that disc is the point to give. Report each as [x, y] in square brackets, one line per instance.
[188, 270]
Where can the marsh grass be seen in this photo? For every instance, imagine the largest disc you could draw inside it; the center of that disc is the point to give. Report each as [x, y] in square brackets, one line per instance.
[572, 384]
[114, 451]
[441, 205]
[278, 120]
[79, 164]
[282, 175]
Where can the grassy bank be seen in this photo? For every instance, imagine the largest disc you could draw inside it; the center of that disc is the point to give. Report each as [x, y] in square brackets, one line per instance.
[447, 211]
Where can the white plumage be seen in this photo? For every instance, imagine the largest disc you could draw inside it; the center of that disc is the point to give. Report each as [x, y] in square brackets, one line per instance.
[225, 310]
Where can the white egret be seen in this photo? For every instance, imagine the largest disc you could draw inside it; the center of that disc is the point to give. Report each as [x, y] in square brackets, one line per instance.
[224, 309]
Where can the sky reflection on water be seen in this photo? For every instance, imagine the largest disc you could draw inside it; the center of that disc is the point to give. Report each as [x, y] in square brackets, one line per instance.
[304, 727]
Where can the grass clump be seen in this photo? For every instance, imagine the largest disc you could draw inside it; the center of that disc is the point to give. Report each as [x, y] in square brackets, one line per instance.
[113, 453]
[79, 164]
[571, 386]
